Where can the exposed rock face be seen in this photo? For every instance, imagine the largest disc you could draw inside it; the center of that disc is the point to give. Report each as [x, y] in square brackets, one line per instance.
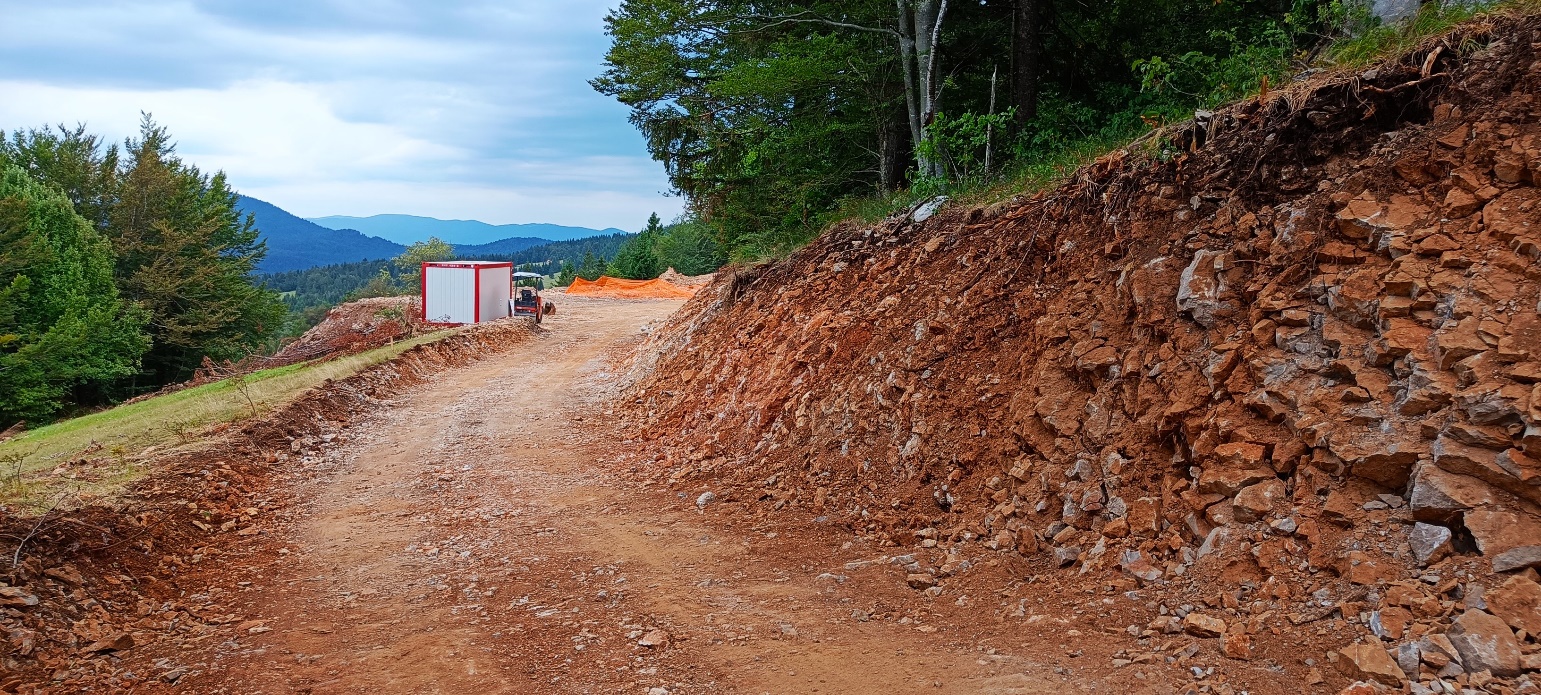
[1308, 324]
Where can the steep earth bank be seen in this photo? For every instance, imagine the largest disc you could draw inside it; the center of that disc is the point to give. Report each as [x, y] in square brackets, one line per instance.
[1283, 372]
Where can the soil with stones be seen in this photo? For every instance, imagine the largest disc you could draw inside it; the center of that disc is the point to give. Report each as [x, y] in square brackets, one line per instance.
[471, 536]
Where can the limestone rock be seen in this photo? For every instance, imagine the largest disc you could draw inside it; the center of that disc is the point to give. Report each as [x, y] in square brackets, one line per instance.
[1485, 643]
[116, 642]
[655, 638]
[1256, 502]
[1498, 530]
[1439, 496]
[1236, 645]
[918, 580]
[1228, 481]
[1200, 625]
[1518, 603]
[1517, 558]
[1370, 662]
[1430, 543]
[1201, 292]
[1066, 556]
[13, 597]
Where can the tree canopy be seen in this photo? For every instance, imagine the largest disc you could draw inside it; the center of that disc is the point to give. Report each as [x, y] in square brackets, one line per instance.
[63, 327]
[124, 269]
[769, 115]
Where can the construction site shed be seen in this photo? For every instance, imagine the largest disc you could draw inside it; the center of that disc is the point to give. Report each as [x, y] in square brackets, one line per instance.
[461, 292]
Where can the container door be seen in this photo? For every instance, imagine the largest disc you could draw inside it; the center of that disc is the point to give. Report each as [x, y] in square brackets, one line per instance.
[450, 294]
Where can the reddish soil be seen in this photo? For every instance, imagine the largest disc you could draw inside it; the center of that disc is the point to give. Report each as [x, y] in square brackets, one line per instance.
[472, 536]
[1276, 373]
[1191, 423]
[353, 327]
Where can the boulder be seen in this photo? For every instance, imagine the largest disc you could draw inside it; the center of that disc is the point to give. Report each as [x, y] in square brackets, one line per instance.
[1224, 480]
[1498, 530]
[1517, 558]
[1440, 496]
[1200, 625]
[1518, 603]
[1370, 662]
[1256, 502]
[1485, 643]
[1430, 543]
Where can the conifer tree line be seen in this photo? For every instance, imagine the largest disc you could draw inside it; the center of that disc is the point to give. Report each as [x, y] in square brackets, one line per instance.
[775, 117]
[121, 269]
[686, 245]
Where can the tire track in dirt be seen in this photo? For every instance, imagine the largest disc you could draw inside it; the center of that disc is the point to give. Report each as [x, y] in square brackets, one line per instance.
[472, 541]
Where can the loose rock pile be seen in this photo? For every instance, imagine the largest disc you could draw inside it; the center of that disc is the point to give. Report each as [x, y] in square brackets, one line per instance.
[1293, 363]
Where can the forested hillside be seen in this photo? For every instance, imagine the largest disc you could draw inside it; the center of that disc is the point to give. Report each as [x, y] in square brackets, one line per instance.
[776, 118]
[120, 270]
[294, 242]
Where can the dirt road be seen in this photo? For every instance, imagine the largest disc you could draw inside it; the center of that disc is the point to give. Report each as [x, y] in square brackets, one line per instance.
[471, 539]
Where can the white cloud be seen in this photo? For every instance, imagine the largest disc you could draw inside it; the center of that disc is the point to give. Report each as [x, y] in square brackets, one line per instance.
[433, 107]
[599, 209]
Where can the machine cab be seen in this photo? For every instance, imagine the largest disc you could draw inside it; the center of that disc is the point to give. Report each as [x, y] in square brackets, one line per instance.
[526, 299]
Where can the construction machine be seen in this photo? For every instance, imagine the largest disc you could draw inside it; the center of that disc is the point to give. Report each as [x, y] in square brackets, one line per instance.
[526, 299]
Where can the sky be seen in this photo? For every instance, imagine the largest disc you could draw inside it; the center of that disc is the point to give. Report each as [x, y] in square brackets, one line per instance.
[457, 109]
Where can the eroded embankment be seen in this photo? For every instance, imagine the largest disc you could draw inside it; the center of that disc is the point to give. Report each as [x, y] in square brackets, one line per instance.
[91, 577]
[1306, 345]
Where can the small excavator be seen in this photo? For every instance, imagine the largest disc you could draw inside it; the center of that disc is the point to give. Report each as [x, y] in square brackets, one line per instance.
[526, 300]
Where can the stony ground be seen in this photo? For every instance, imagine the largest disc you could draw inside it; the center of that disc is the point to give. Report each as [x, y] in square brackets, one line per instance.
[471, 537]
[1260, 415]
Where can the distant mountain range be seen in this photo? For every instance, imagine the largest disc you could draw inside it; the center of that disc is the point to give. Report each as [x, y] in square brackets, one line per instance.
[407, 229]
[295, 243]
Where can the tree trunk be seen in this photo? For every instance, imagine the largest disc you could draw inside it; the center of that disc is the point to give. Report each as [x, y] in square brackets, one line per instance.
[990, 125]
[928, 30]
[1025, 50]
[907, 59]
[891, 155]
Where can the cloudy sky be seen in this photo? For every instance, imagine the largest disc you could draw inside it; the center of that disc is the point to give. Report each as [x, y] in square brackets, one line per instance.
[446, 108]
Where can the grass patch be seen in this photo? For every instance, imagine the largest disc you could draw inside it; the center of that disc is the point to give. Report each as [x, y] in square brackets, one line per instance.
[1375, 43]
[114, 439]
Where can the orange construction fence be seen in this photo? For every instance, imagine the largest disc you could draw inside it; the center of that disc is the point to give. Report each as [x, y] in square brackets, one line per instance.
[617, 288]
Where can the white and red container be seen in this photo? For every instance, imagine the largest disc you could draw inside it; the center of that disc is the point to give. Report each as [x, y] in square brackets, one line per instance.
[461, 292]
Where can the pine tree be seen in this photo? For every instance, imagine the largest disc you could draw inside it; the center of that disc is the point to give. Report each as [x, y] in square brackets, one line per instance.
[185, 254]
[638, 257]
[592, 267]
[565, 276]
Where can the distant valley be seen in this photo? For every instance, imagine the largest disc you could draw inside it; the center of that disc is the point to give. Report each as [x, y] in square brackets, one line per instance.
[296, 243]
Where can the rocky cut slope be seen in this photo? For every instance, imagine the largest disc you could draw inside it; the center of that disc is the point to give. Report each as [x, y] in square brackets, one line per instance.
[1315, 318]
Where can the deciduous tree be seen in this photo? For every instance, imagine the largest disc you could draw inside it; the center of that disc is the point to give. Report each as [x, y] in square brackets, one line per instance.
[63, 328]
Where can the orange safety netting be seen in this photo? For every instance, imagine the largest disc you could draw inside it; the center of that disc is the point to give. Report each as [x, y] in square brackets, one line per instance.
[616, 288]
